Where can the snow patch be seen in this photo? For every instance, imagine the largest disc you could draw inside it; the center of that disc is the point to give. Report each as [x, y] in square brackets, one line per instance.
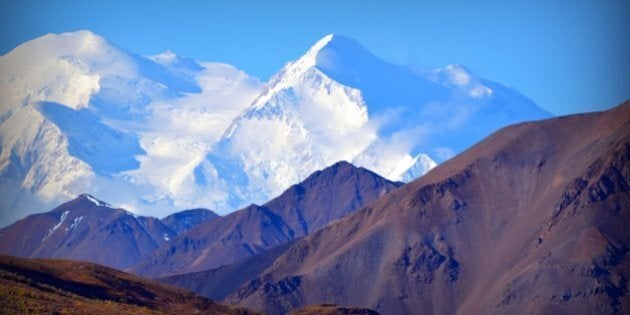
[54, 228]
[75, 223]
[97, 202]
[166, 237]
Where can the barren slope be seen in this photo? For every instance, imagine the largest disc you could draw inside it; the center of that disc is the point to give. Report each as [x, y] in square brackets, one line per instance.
[62, 286]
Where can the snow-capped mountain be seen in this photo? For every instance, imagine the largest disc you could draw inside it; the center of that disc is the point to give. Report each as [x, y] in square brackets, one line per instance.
[80, 114]
[340, 102]
[156, 133]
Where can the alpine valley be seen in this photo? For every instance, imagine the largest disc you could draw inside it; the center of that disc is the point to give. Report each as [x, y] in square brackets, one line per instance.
[157, 133]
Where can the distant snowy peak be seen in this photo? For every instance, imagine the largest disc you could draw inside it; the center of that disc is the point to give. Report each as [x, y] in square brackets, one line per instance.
[304, 67]
[302, 88]
[76, 112]
[160, 132]
[309, 59]
[81, 69]
[91, 48]
[340, 102]
[338, 53]
[56, 68]
[302, 121]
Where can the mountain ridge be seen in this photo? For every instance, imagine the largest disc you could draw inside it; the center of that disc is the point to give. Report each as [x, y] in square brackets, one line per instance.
[324, 196]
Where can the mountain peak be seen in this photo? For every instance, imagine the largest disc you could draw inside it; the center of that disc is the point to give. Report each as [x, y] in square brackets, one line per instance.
[85, 35]
[82, 41]
[342, 164]
[332, 170]
[331, 46]
[320, 44]
[93, 200]
[334, 41]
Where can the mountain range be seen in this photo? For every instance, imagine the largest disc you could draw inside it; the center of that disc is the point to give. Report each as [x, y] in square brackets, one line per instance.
[155, 133]
[88, 229]
[531, 220]
[304, 208]
[343, 180]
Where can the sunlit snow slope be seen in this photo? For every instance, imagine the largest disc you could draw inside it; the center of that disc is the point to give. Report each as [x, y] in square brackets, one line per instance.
[340, 102]
[160, 133]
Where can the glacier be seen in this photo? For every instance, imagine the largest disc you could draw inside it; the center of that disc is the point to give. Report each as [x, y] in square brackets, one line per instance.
[155, 134]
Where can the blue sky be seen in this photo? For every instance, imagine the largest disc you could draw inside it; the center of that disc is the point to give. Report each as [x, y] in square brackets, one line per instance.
[568, 56]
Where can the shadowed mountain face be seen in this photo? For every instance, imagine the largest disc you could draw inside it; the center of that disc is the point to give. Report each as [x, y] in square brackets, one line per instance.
[323, 197]
[29, 286]
[219, 283]
[86, 229]
[531, 220]
[185, 220]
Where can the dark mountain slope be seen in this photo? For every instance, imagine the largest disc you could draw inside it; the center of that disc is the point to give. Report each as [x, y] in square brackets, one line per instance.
[218, 283]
